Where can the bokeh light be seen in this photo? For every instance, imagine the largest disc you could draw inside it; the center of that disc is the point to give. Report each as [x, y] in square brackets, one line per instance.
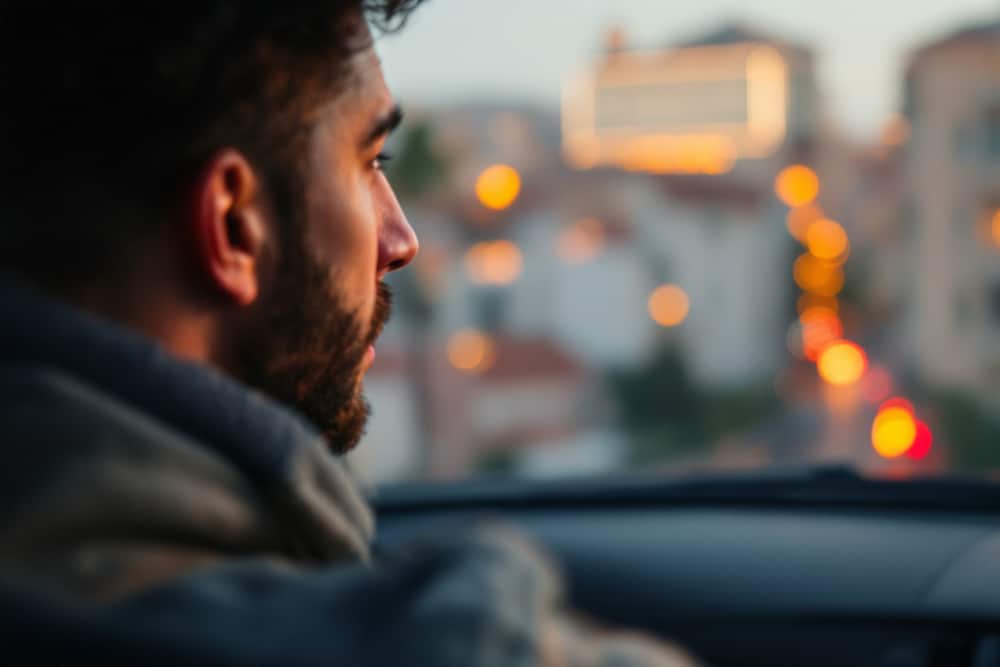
[799, 219]
[580, 242]
[471, 351]
[922, 443]
[817, 276]
[842, 363]
[498, 186]
[797, 185]
[820, 327]
[827, 240]
[897, 402]
[689, 154]
[995, 228]
[893, 432]
[494, 263]
[807, 301]
[669, 305]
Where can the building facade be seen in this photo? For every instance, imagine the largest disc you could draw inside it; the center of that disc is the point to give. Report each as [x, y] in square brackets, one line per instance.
[952, 210]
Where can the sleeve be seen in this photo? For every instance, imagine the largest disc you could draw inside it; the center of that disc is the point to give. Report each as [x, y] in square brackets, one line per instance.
[486, 599]
[497, 600]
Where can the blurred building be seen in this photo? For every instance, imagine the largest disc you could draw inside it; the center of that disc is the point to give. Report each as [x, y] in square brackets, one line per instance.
[735, 101]
[725, 245]
[703, 127]
[512, 314]
[952, 210]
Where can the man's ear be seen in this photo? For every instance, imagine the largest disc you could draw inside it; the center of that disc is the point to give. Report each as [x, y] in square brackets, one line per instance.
[227, 226]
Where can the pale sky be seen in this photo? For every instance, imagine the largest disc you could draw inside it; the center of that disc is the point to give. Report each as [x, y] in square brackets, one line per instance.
[522, 50]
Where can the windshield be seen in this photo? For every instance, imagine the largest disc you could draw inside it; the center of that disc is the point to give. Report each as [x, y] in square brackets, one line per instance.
[688, 236]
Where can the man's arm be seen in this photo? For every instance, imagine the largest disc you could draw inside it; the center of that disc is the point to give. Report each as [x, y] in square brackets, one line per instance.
[488, 600]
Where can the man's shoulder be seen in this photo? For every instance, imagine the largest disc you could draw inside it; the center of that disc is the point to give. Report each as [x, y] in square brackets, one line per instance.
[97, 497]
[43, 408]
[472, 602]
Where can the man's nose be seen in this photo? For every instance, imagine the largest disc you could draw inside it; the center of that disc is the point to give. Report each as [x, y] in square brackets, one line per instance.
[397, 243]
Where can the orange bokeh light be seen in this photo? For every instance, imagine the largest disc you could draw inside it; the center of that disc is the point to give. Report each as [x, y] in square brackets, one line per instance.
[494, 262]
[893, 431]
[995, 228]
[689, 154]
[799, 219]
[498, 186]
[897, 402]
[797, 185]
[669, 305]
[827, 240]
[471, 351]
[820, 327]
[807, 301]
[842, 363]
[817, 276]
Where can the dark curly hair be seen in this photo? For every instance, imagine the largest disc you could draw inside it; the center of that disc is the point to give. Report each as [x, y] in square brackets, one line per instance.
[109, 107]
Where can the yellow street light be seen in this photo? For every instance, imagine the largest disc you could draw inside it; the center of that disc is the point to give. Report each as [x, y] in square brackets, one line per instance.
[498, 186]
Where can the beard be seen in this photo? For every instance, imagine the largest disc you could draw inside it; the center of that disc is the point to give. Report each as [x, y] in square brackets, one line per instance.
[303, 348]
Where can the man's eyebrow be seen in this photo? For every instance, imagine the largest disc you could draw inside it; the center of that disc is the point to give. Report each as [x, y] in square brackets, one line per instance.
[383, 125]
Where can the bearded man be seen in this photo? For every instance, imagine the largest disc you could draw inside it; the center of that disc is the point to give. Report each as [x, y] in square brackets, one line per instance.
[196, 232]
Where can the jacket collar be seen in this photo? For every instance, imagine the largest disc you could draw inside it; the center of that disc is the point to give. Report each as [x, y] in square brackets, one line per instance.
[274, 447]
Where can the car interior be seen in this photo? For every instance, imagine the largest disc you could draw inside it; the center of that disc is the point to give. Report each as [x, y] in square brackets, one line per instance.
[819, 567]
[707, 306]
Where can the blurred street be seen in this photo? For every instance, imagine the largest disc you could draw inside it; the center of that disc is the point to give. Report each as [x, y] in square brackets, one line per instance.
[690, 264]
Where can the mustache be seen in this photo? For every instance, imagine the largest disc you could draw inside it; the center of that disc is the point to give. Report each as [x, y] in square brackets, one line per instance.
[381, 312]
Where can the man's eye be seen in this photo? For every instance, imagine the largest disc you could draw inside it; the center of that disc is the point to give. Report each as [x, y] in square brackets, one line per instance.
[380, 160]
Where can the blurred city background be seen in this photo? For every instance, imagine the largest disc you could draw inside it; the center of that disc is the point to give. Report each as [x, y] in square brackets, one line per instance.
[743, 238]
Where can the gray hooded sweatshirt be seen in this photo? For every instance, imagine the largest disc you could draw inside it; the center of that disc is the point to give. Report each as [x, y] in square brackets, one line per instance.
[154, 510]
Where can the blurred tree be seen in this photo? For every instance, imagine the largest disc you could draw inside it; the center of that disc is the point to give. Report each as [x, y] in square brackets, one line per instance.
[500, 462]
[415, 172]
[739, 410]
[658, 407]
[417, 168]
[667, 416]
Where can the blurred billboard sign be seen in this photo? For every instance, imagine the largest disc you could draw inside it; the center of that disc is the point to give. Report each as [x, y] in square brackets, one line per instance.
[689, 110]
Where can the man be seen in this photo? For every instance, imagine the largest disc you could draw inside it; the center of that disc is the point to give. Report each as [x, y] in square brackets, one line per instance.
[196, 230]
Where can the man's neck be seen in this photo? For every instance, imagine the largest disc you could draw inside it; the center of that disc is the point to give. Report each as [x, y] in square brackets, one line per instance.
[158, 314]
